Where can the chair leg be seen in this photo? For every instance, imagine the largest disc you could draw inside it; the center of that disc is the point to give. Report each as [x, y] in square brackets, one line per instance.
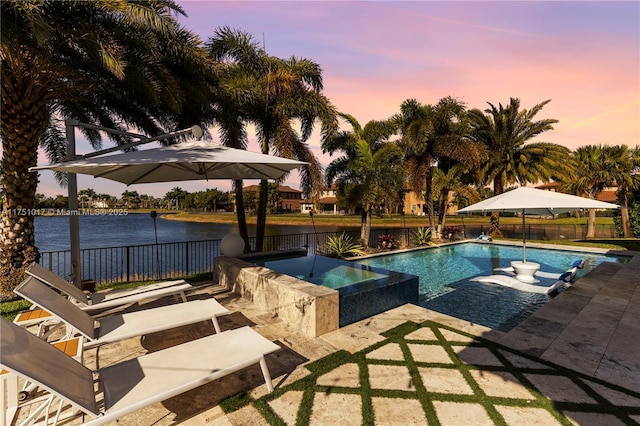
[265, 373]
[214, 320]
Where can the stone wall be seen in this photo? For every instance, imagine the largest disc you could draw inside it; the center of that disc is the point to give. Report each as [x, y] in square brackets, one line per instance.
[312, 309]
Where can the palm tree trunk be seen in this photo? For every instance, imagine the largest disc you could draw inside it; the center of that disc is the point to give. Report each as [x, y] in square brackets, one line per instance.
[428, 197]
[494, 226]
[241, 216]
[365, 227]
[624, 214]
[591, 224]
[20, 136]
[442, 214]
[261, 221]
[626, 222]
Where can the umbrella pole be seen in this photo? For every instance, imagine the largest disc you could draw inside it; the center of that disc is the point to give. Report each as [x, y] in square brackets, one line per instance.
[524, 242]
[74, 220]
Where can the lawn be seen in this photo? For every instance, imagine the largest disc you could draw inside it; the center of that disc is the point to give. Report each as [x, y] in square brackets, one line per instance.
[377, 221]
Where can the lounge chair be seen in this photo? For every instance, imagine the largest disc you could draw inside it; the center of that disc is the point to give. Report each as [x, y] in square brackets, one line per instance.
[130, 385]
[92, 302]
[115, 328]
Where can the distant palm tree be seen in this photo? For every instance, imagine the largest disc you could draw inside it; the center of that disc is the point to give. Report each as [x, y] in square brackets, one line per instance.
[505, 132]
[624, 160]
[454, 179]
[274, 95]
[121, 64]
[430, 133]
[369, 169]
[601, 166]
[590, 178]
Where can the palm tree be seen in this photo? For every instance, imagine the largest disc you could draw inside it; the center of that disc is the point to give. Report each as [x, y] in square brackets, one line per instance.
[120, 64]
[430, 133]
[600, 166]
[505, 132]
[453, 179]
[591, 177]
[623, 161]
[369, 169]
[273, 93]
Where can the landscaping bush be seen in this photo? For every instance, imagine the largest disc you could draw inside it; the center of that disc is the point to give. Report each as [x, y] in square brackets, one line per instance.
[341, 246]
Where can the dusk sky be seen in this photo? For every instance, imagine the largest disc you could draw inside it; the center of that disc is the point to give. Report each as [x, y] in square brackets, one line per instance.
[584, 56]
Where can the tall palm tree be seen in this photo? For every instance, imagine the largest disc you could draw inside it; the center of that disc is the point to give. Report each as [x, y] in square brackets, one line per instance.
[278, 94]
[590, 178]
[505, 132]
[121, 64]
[600, 166]
[623, 161]
[369, 169]
[430, 133]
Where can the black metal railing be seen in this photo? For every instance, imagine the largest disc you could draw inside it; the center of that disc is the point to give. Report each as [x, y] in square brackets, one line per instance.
[173, 260]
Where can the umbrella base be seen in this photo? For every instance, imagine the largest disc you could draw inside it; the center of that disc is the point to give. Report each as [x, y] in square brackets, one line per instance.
[525, 270]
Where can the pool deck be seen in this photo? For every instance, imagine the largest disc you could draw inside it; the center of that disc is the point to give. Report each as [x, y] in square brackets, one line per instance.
[592, 328]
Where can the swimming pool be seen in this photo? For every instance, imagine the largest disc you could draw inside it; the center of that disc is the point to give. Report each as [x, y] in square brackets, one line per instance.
[363, 290]
[444, 275]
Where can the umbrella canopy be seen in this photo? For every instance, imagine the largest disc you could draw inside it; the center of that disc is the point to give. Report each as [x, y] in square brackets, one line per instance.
[535, 202]
[193, 160]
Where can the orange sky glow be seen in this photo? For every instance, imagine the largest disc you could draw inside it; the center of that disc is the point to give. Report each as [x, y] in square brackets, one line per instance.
[584, 56]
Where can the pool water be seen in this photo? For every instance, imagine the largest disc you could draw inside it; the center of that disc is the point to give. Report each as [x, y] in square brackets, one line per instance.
[444, 275]
[321, 270]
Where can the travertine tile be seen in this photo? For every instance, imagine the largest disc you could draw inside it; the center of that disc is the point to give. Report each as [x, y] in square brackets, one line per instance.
[395, 411]
[347, 375]
[500, 383]
[459, 413]
[287, 405]
[476, 356]
[559, 388]
[593, 419]
[336, 409]
[423, 333]
[390, 377]
[390, 351]
[429, 353]
[444, 380]
[527, 416]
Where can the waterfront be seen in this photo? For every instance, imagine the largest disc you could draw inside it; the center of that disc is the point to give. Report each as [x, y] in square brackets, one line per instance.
[97, 231]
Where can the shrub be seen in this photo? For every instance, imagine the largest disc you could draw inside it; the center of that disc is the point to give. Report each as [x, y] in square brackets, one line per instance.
[387, 241]
[422, 237]
[341, 246]
[449, 232]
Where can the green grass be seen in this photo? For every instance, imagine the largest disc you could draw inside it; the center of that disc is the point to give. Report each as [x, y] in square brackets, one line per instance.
[9, 310]
[377, 221]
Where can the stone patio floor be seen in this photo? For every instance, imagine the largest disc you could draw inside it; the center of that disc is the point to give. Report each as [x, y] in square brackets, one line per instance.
[575, 361]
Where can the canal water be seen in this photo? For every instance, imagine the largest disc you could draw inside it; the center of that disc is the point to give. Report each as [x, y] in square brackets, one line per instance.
[52, 232]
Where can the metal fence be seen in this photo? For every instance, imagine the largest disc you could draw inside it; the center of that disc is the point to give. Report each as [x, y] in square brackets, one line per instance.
[173, 260]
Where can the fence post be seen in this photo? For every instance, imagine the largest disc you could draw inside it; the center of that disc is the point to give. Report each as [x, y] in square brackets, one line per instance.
[128, 264]
[186, 258]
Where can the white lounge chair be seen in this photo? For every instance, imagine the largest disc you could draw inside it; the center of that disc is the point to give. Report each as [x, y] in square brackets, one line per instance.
[563, 280]
[130, 385]
[96, 301]
[115, 328]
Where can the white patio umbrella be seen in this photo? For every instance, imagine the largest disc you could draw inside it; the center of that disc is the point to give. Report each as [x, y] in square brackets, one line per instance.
[192, 160]
[538, 202]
